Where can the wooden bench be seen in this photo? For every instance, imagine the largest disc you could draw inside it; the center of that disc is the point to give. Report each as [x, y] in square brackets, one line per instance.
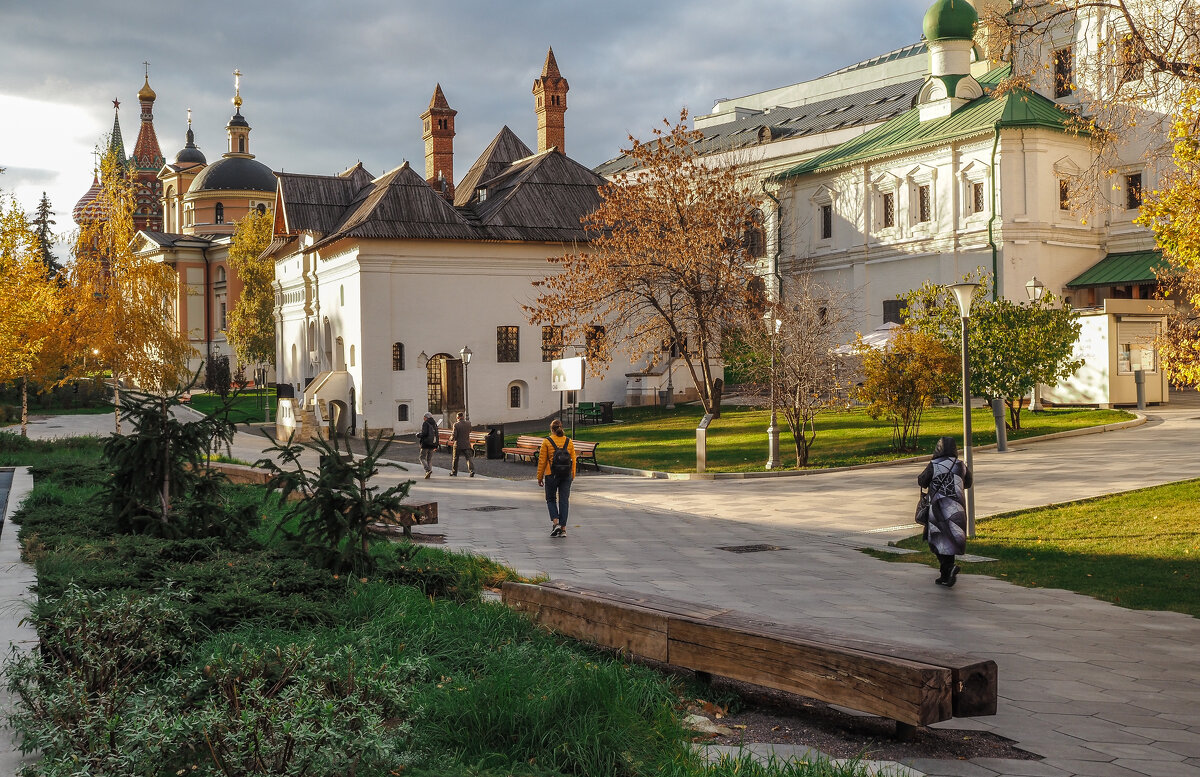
[414, 513]
[528, 446]
[478, 441]
[912, 686]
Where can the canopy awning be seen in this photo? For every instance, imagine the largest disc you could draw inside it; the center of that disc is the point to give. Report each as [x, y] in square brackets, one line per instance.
[1123, 269]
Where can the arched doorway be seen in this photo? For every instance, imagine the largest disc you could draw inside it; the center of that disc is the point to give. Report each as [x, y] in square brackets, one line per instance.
[328, 346]
[339, 416]
[444, 377]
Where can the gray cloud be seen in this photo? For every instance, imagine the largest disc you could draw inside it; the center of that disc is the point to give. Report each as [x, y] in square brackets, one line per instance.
[327, 84]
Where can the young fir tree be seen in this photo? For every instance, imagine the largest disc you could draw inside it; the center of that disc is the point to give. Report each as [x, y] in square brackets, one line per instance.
[43, 220]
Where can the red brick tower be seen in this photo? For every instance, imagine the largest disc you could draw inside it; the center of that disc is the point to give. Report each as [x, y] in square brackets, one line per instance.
[145, 163]
[438, 133]
[550, 91]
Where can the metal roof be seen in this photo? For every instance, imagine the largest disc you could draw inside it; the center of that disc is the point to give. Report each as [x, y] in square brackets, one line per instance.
[1016, 108]
[1123, 269]
[869, 106]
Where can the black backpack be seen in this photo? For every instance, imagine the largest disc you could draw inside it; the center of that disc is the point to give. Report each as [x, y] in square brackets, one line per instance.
[560, 461]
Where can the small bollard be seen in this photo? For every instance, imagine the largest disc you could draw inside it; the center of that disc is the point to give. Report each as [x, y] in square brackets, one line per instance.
[1139, 381]
[1001, 431]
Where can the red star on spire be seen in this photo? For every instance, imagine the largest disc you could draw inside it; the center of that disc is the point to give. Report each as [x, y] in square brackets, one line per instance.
[116, 103]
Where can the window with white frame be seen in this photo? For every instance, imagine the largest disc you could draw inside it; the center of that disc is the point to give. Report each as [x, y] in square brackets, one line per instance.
[921, 195]
[974, 179]
[1133, 191]
[883, 201]
[823, 201]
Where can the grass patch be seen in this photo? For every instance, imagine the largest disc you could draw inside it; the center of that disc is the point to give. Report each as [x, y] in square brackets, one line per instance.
[656, 439]
[160, 652]
[1139, 549]
[246, 407]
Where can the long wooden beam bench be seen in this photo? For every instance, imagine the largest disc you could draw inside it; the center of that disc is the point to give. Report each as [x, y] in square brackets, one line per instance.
[910, 685]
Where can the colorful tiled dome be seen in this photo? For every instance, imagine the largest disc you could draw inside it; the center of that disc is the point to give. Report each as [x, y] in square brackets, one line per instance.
[87, 209]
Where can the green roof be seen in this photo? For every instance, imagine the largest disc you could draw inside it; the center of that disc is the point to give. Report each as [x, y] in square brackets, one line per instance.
[906, 132]
[950, 20]
[1121, 269]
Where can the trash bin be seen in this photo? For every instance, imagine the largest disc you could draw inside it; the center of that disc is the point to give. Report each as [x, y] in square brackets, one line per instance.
[495, 442]
[606, 416]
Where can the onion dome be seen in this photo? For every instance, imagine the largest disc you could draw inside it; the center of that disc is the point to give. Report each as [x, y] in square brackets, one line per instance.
[146, 93]
[950, 20]
[87, 209]
[234, 173]
[190, 154]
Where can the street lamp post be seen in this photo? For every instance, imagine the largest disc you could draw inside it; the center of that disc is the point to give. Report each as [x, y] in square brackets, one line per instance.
[1035, 289]
[465, 355]
[962, 294]
[772, 325]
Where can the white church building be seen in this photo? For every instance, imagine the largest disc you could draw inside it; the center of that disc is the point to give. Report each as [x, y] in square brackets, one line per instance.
[911, 166]
[383, 283]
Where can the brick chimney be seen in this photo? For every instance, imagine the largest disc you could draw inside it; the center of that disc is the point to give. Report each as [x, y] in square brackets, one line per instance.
[550, 103]
[438, 133]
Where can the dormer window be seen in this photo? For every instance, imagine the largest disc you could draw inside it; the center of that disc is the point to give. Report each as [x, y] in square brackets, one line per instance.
[481, 193]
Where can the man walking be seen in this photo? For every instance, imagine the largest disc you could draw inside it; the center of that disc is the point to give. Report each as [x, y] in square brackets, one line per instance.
[461, 439]
[428, 438]
[556, 470]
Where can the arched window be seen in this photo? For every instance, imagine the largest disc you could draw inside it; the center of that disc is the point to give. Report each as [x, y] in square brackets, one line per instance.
[241, 145]
[261, 209]
[397, 357]
[293, 357]
[352, 356]
[402, 413]
[341, 295]
[219, 211]
[220, 274]
[517, 392]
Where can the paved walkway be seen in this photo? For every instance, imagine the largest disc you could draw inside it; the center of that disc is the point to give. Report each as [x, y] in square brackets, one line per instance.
[1095, 689]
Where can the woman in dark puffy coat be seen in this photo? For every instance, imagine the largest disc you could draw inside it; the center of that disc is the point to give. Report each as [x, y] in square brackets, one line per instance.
[945, 520]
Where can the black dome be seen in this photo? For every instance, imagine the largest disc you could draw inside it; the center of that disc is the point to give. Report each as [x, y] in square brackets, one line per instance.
[238, 120]
[235, 173]
[190, 155]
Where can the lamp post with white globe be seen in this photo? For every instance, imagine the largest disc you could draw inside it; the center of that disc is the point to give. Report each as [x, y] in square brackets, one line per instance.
[1035, 289]
[465, 355]
[963, 293]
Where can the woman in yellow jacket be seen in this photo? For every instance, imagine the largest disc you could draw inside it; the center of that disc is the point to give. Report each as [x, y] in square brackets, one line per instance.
[555, 473]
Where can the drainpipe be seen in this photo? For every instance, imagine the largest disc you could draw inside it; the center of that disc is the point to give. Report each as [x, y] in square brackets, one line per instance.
[992, 218]
[778, 242]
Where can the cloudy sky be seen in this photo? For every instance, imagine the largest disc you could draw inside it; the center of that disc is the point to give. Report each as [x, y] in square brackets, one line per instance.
[327, 84]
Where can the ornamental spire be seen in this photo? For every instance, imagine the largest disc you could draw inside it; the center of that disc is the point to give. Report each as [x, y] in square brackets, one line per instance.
[237, 89]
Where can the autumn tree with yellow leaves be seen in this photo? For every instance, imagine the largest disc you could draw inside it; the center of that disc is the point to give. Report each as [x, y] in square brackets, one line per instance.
[122, 307]
[667, 261]
[251, 329]
[29, 304]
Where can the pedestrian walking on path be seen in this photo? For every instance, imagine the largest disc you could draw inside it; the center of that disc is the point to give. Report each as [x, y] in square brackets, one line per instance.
[428, 438]
[556, 470]
[945, 510]
[461, 439]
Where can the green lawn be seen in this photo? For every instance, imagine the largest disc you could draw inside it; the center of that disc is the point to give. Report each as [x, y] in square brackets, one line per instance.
[1140, 549]
[247, 406]
[656, 439]
[218, 655]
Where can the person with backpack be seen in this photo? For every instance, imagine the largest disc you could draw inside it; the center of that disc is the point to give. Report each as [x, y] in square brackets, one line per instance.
[556, 470]
[428, 439]
[945, 517]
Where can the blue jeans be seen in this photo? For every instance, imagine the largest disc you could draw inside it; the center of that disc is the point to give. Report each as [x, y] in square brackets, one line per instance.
[558, 498]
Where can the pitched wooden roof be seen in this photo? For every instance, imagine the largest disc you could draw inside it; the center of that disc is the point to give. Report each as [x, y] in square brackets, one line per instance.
[400, 204]
[530, 197]
[504, 149]
[542, 197]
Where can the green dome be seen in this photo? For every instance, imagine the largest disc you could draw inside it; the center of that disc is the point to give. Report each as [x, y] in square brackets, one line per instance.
[950, 20]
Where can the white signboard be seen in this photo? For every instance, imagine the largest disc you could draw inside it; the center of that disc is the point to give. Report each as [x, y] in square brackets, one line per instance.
[566, 374]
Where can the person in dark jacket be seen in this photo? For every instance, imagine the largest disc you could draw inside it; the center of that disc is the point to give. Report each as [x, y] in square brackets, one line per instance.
[461, 439]
[428, 438]
[945, 520]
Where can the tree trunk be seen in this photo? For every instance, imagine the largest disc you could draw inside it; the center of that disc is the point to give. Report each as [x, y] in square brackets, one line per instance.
[117, 400]
[166, 446]
[24, 407]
